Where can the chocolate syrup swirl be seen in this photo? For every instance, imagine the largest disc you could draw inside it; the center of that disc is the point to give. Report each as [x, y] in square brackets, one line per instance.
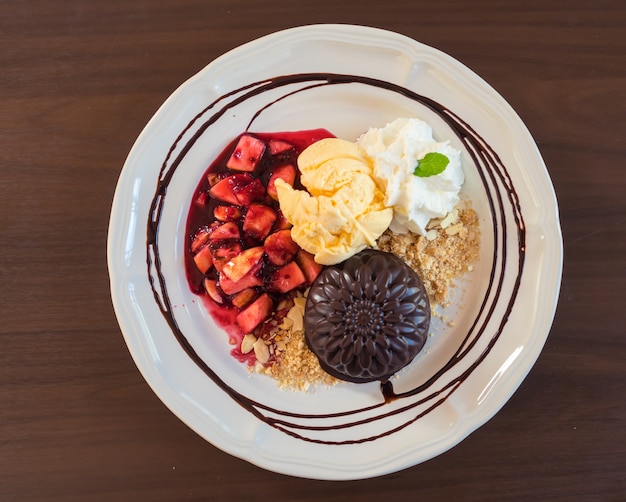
[408, 406]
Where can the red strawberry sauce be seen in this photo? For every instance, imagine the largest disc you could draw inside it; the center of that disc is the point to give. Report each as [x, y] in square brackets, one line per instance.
[248, 183]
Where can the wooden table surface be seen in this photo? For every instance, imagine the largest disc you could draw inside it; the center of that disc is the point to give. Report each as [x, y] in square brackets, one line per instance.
[78, 82]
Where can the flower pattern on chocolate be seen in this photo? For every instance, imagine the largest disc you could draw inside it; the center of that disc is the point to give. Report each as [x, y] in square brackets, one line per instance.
[367, 317]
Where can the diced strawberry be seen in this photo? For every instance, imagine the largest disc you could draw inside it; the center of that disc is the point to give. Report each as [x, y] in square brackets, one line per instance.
[200, 239]
[223, 254]
[308, 265]
[239, 189]
[249, 189]
[257, 312]
[201, 199]
[259, 220]
[228, 230]
[240, 265]
[280, 247]
[223, 191]
[286, 173]
[282, 223]
[243, 298]
[203, 259]
[277, 146]
[227, 213]
[287, 278]
[213, 178]
[213, 291]
[246, 154]
[247, 281]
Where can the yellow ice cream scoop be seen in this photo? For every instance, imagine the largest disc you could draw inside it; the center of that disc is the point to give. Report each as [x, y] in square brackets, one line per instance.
[342, 212]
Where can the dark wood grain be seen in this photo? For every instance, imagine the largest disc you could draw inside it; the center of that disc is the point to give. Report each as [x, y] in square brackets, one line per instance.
[79, 80]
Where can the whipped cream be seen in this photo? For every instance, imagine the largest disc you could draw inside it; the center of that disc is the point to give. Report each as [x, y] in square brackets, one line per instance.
[395, 151]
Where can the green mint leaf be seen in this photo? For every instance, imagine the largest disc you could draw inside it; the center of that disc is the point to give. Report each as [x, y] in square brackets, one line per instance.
[433, 163]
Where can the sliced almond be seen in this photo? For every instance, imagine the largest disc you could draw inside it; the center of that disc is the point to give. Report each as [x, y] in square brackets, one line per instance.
[287, 323]
[454, 229]
[247, 343]
[283, 304]
[295, 314]
[451, 218]
[434, 223]
[431, 235]
[300, 302]
[261, 352]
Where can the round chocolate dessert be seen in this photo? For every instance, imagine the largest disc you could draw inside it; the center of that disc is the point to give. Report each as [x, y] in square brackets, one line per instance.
[367, 318]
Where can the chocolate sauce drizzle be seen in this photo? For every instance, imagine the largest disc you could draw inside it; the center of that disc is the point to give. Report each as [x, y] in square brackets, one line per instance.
[409, 406]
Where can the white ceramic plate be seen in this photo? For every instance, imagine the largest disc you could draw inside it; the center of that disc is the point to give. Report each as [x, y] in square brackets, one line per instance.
[503, 309]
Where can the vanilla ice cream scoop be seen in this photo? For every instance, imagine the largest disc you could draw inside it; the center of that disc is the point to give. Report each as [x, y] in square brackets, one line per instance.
[396, 150]
[342, 212]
